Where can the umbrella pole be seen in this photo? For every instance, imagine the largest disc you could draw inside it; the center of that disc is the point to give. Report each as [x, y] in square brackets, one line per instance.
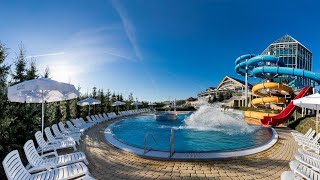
[42, 118]
[317, 118]
[89, 110]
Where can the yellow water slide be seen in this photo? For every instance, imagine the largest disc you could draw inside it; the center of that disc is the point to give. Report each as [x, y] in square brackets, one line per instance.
[265, 98]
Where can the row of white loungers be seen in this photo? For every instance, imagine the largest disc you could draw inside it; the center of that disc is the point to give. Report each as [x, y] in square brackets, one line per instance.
[307, 163]
[50, 165]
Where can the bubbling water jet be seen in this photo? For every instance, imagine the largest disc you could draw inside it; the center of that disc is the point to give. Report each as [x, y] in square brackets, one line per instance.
[209, 117]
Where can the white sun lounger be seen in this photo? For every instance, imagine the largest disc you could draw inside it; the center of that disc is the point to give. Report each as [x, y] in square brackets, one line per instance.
[59, 135]
[289, 175]
[302, 141]
[102, 117]
[73, 128]
[79, 125]
[303, 171]
[15, 170]
[302, 138]
[45, 146]
[68, 131]
[296, 134]
[40, 163]
[309, 154]
[98, 118]
[308, 161]
[105, 116]
[53, 140]
[86, 123]
[92, 120]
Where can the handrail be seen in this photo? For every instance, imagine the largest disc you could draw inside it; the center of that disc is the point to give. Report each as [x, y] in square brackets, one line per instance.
[172, 142]
[145, 141]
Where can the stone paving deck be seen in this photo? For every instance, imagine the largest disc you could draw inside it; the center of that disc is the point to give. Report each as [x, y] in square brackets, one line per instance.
[108, 162]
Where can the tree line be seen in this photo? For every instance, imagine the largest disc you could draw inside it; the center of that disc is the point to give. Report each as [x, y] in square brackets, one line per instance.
[19, 121]
[220, 97]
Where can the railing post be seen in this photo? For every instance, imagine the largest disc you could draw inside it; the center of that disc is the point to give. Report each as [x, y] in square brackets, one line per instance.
[145, 141]
[172, 142]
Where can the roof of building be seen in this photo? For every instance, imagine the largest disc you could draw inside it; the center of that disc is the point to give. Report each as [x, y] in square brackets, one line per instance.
[285, 39]
[236, 83]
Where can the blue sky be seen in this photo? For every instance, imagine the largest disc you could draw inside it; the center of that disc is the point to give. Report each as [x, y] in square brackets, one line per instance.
[154, 49]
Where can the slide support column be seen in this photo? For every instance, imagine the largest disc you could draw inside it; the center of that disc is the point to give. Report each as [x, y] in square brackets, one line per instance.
[246, 86]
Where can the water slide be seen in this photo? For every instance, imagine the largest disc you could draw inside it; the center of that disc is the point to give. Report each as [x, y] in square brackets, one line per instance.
[271, 86]
[286, 113]
[268, 67]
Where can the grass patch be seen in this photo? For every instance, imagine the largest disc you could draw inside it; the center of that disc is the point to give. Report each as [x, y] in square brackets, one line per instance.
[303, 124]
[266, 110]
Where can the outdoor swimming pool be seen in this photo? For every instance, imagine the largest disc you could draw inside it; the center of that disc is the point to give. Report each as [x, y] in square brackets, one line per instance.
[202, 131]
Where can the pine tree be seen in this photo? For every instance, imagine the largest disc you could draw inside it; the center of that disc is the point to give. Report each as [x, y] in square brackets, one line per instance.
[20, 66]
[108, 101]
[101, 97]
[24, 117]
[220, 97]
[130, 101]
[32, 71]
[214, 98]
[77, 108]
[47, 73]
[66, 112]
[5, 122]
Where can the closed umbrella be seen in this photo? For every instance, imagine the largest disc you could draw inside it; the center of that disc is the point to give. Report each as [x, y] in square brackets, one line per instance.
[88, 102]
[41, 90]
[310, 102]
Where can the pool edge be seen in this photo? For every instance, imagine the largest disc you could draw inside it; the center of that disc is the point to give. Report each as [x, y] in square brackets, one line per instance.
[185, 155]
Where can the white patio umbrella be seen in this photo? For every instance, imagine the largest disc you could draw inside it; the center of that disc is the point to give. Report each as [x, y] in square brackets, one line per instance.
[310, 102]
[41, 90]
[151, 104]
[118, 103]
[136, 104]
[88, 102]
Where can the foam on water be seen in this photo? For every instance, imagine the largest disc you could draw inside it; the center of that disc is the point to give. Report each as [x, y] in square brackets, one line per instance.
[209, 117]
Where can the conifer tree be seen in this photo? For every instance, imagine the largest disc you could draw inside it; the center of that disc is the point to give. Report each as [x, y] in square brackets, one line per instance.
[108, 101]
[32, 71]
[5, 122]
[19, 74]
[101, 97]
[47, 73]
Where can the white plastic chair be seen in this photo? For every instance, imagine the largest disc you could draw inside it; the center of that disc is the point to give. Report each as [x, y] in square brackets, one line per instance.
[73, 128]
[53, 140]
[59, 135]
[39, 163]
[15, 170]
[303, 171]
[68, 131]
[45, 146]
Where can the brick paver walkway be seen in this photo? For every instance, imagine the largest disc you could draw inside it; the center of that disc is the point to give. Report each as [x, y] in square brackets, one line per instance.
[108, 162]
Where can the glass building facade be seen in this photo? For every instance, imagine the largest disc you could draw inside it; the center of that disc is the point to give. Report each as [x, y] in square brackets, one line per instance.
[294, 55]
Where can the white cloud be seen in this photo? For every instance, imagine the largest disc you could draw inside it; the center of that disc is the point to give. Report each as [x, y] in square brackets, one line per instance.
[128, 27]
[45, 55]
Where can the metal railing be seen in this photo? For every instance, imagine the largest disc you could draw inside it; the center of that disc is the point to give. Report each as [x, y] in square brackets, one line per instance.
[145, 141]
[172, 142]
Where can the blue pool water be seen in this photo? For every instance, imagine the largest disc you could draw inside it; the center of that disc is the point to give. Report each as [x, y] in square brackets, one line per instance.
[205, 136]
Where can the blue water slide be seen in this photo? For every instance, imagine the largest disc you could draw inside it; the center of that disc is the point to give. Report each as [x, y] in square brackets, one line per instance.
[261, 71]
[267, 65]
[252, 61]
